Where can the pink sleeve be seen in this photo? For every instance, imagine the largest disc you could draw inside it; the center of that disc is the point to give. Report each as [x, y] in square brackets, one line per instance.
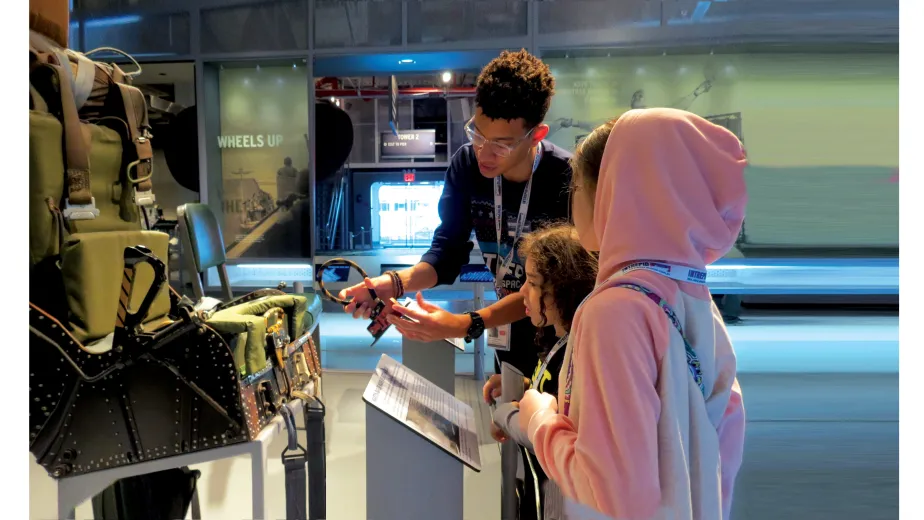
[731, 445]
[609, 458]
[731, 427]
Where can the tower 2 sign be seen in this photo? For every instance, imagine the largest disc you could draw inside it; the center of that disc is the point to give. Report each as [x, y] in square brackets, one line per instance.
[250, 141]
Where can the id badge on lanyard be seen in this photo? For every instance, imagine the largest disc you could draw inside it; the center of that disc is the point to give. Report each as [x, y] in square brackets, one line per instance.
[499, 337]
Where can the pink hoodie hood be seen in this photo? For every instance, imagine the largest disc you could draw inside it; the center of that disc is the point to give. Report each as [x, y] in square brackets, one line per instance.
[671, 188]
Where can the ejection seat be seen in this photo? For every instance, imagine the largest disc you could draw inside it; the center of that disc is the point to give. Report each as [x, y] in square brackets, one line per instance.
[128, 373]
[246, 321]
[273, 338]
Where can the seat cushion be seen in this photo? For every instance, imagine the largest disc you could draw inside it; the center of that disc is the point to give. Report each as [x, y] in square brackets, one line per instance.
[91, 267]
[246, 329]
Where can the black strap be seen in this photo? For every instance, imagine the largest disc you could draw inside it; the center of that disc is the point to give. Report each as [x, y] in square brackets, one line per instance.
[314, 412]
[196, 511]
[295, 458]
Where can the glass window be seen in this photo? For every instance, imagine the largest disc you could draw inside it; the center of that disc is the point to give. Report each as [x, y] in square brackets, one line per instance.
[145, 36]
[275, 26]
[576, 16]
[453, 21]
[404, 215]
[356, 24]
[821, 132]
[73, 35]
[680, 12]
[264, 160]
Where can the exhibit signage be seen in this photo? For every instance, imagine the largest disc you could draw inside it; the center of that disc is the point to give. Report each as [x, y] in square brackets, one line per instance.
[250, 141]
[428, 410]
[409, 144]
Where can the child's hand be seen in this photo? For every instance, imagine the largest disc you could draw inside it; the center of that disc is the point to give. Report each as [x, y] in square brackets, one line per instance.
[534, 402]
[498, 434]
[492, 389]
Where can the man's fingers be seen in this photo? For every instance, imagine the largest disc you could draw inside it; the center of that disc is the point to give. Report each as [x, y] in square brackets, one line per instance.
[405, 326]
[414, 314]
[367, 283]
[424, 304]
[361, 310]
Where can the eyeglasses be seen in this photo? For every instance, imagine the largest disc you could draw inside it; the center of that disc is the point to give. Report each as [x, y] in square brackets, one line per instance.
[499, 149]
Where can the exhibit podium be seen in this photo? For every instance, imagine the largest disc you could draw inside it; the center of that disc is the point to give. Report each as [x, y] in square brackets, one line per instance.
[433, 360]
[419, 437]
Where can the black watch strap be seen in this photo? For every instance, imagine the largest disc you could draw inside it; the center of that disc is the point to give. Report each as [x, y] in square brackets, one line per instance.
[476, 329]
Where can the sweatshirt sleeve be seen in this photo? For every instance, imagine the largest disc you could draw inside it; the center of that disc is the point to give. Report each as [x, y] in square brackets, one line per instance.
[731, 445]
[609, 458]
[451, 246]
[506, 417]
[731, 427]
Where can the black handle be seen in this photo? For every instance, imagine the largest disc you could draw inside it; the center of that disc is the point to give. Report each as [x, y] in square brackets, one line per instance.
[339, 262]
[134, 256]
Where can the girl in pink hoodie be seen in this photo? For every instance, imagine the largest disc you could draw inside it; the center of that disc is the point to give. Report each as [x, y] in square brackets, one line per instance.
[649, 420]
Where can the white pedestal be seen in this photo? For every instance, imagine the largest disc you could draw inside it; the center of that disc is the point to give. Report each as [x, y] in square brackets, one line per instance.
[407, 477]
[73, 491]
[435, 361]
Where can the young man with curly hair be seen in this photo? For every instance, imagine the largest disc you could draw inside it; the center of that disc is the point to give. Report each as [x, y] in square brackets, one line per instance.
[506, 165]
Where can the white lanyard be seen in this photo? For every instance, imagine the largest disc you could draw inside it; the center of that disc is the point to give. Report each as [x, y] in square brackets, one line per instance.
[500, 226]
[545, 364]
[680, 273]
[673, 271]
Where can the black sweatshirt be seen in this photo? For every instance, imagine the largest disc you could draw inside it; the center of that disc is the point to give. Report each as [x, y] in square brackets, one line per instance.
[467, 203]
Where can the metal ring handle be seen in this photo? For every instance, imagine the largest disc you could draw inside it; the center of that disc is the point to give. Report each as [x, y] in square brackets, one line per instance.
[339, 262]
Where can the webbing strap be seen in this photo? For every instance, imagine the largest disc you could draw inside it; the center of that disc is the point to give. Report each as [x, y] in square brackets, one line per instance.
[136, 115]
[75, 147]
[316, 456]
[296, 488]
[38, 102]
[293, 460]
[194, 503]
[86, 75]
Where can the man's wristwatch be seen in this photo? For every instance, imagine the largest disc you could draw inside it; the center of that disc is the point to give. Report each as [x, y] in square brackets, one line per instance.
[476, 329]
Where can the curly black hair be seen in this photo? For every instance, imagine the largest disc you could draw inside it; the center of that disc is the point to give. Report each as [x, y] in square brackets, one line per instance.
[568, 272]
[515, 85]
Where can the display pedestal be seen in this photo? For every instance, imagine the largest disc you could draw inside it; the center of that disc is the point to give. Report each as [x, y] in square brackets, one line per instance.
[73, 491]
[407, 476]
[435, 361]
[418, 436]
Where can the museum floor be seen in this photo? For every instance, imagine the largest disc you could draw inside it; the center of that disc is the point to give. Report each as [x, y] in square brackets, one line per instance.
[821, 394]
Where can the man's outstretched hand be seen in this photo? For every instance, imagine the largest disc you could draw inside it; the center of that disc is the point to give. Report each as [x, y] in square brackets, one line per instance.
[429, 322]
[361, 305]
